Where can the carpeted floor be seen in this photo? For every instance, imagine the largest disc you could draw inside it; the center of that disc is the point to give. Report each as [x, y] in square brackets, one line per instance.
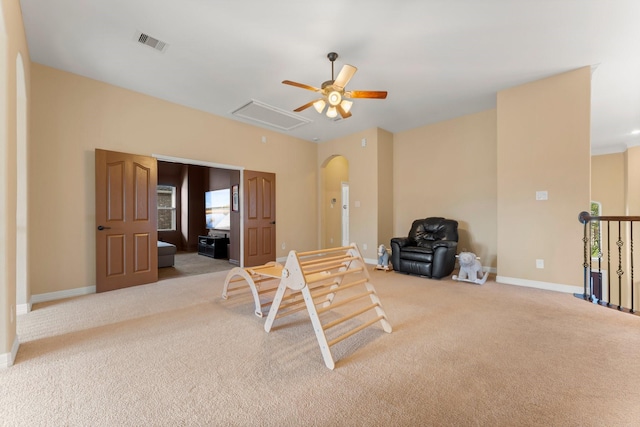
[190, 264]
[175, 353]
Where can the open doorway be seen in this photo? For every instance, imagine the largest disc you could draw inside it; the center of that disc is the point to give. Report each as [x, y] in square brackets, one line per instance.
[185, 212]
[345, 213]
[334, 203]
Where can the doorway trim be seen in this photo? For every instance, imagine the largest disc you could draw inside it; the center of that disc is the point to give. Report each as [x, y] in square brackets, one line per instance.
[344, 217]
[23, 292]
[219, 166]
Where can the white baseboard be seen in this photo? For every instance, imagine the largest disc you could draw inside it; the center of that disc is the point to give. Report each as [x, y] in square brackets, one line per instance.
[371, 261]
[23, 308]
[558, 287]
[68, 293]
[7, 359]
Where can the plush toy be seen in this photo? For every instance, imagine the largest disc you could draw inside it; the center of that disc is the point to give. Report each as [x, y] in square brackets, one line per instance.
[383, 258]
[470, 269]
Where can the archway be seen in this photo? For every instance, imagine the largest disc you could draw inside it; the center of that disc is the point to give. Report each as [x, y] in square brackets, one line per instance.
[8, 345]
[334, 209]
[23, 300]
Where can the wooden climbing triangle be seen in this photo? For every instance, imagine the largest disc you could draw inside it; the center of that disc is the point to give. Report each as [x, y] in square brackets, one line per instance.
[321, 281]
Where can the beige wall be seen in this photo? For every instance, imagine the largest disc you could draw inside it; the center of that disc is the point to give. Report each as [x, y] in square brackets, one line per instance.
[385, 187]
[363, 185]
[632, 181]
[608, 182]
[543, 144]
[12, 44]
[448, 169]
[73, 116]
[608, 176]
[632, 199]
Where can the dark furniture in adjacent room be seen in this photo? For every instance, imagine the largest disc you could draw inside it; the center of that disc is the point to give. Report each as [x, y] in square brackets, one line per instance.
[429, 249]
[166, 254]
[214, 247]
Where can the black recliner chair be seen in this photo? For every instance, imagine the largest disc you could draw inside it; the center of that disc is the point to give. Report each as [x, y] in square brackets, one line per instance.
[429, 250]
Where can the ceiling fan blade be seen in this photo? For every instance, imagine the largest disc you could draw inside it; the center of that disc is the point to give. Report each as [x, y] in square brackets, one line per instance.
[344, 76]
[344, 114]
[301, 85]
[305, 106]
[376, 94]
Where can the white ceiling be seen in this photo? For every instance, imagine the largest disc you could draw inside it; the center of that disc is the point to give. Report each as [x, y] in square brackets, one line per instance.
[438, 59]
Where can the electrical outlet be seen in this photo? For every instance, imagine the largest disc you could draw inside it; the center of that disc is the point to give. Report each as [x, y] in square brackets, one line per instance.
[364, 246]
[283, 245]
[539, 263]
[542, 195]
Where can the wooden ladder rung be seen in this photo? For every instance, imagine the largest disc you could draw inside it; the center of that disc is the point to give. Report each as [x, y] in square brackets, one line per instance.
[323, 267]
[290, 302]
[324, 251]
[353, 331]
[243, 288]
[291, 310]
[349, 316]
[321, 259]
[237, 279]
[318, 277]
[338, 288]
[239, 288]
[266, 291]
[343, 302]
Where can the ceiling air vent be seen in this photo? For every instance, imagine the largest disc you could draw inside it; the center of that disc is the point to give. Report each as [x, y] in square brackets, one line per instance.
[270, 116]
[147, 40]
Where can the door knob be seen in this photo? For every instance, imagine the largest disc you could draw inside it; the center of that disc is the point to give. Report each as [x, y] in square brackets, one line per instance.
[102, 227]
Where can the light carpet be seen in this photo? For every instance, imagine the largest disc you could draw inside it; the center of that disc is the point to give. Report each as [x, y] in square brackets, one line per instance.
[174, 353]
[191, 264]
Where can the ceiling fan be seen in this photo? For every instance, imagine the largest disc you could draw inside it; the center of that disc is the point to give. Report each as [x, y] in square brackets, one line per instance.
[333, 93]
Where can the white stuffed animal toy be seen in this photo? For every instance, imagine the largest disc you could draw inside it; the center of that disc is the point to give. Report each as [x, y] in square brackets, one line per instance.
[383, 258]
[470, 269]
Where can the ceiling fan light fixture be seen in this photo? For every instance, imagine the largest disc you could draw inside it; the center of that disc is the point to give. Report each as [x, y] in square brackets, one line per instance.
[333, 93]
[334, 98]
[319, 105]
[346, 105]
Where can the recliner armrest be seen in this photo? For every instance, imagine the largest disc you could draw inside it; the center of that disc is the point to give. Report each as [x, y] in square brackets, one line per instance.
[444, 244]
[401, 242]
[444, 258]
[397, 243]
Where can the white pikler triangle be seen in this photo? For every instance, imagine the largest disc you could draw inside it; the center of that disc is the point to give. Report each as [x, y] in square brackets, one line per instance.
[328, 279]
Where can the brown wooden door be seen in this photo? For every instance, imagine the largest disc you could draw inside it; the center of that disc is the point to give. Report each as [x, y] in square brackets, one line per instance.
[126, 220]
[259, 218]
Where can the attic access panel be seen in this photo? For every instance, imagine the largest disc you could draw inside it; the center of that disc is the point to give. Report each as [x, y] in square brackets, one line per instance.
[271, 116]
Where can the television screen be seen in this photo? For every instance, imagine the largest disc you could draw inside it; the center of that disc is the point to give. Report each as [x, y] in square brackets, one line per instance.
[217, 205]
